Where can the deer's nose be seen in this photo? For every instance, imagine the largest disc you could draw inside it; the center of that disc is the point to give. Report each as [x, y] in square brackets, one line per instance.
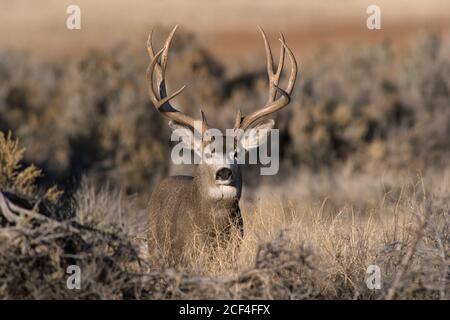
[223, 174]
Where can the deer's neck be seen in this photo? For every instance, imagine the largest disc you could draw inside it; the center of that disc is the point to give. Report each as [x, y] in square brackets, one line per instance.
[213, 207]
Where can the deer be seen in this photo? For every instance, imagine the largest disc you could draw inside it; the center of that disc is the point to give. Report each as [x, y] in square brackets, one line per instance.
[193, 211]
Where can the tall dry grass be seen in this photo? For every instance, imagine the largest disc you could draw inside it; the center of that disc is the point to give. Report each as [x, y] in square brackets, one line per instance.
[374, 221]
[311, 238]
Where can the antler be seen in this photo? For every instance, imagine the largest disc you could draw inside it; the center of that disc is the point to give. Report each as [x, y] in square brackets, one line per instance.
[272, 105]
[159, 98]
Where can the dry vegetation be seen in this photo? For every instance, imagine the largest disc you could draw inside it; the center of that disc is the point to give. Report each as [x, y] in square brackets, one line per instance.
[365, 177]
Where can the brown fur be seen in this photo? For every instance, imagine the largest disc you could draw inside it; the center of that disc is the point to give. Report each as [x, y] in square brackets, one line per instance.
[184, 219]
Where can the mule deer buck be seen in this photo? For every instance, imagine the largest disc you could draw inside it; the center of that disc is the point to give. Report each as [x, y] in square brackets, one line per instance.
[188, 211]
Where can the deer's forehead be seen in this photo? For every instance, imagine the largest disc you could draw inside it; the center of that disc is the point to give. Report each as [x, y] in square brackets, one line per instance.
[219, 144]
[217, 138]
[222, 159]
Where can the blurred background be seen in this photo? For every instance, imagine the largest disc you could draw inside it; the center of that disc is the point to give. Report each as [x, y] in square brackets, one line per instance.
[367, 102]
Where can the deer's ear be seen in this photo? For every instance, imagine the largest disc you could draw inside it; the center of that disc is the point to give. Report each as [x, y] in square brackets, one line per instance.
[186, 135]
[256, 136]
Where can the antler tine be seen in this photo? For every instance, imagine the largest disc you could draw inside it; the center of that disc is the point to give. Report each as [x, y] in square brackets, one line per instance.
[272, 105]
[149, 45]
[269, 58]
[160, 99]
[165, 55]
[294, 67]
[271, 108]
[154, 96]
[160, 103]
[281, 61]
[274, 77]
[204, 122]
[151, 54]
[237, 121]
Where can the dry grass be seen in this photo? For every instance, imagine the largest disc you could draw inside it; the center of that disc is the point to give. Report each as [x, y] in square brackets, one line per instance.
[306, 247]
[343, 238]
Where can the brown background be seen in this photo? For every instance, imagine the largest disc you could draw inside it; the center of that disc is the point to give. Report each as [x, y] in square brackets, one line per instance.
[227, 28]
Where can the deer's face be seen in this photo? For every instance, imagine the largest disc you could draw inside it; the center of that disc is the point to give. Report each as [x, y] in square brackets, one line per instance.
[219, 173]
